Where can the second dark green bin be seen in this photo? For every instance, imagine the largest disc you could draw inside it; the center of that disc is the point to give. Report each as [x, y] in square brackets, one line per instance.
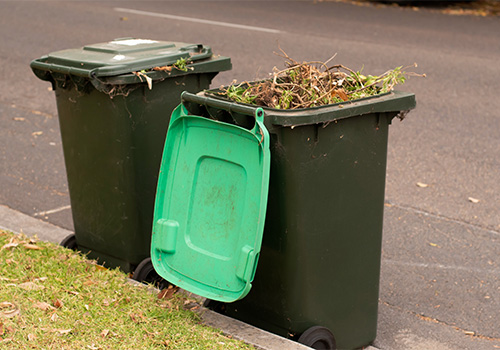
[317, 280]
[113, 128]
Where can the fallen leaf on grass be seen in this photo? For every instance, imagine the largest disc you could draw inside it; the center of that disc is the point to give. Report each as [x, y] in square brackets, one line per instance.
[32, 246]
[100, 268]
[138, 318]
[9, 245]
[58, 303]
[104, 333]
[12, 310]
[31, 337]
[64, 331]
[167, 293]
[31, 286]
[54, 317]
[474, 200]
[43, 306]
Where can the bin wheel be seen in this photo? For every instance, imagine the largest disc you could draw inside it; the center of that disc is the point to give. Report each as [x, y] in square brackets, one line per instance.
[318, 337]
[145, 272]
[69, 242]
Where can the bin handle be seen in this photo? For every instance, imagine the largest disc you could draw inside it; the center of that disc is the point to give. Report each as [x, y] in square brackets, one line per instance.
[258, 112]
[202, 51]
[52, 67]
[212, 102]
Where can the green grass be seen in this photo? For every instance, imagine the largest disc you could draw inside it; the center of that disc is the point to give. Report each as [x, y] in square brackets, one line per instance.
[53, 298]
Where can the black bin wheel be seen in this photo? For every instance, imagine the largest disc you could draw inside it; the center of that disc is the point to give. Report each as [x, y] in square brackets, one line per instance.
[69, 242]
[318, 337]
[145, 272]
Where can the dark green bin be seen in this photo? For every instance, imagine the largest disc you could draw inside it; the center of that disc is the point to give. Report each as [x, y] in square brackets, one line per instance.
[113, 128]
[319, 265]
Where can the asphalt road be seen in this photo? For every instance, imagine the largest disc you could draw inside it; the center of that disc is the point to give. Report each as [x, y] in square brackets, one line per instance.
[441, 265]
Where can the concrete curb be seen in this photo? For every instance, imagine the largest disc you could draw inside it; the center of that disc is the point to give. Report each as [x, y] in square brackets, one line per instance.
[17, 222]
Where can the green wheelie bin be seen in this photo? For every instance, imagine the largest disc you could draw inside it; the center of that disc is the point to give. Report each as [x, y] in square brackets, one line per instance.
[114, 101]
[317, 279]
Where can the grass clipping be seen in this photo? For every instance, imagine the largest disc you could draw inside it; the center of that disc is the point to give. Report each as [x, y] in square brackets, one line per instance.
[313, 84]
[53, 298]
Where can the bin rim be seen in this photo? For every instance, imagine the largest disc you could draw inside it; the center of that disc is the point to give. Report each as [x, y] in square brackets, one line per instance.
[395, 102]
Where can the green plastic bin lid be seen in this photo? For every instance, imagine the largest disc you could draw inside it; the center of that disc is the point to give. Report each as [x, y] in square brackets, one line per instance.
[210, 205]
[119, 56]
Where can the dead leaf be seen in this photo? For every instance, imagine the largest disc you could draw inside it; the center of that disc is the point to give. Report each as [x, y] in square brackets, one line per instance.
[37, 133]
[18, 119]
[469, 332]
[10, 245]
[58, 303]
[64, 331]
[163, 68]
[12, 310]
[54, 317]
[474, 200]
[100, 268]
[32, 246]
[340, 93]
[31, 286]
[422, 185]
[138, 318]
[104, 333]
[167, 293]
[433, 245]
[2, 330]
[43, 306]
[31, 337]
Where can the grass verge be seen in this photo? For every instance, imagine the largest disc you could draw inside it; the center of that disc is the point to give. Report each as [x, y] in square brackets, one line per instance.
[53, 298]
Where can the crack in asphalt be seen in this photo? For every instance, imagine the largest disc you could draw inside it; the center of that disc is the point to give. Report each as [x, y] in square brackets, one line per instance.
[466, 332]
[441, 217]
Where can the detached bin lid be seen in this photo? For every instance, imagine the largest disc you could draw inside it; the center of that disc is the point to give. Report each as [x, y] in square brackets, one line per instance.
[121, 56]
[210, 205]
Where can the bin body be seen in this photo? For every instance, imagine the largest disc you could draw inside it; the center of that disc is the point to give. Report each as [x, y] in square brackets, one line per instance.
[320, 257]
[113, 129]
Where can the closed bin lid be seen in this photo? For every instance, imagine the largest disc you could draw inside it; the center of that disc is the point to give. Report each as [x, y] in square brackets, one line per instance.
[210, 205]
[121, 56]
